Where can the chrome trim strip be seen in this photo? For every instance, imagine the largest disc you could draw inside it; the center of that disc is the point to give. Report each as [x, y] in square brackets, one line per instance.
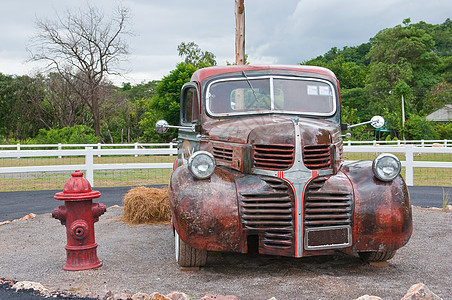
[298, 176]
[272, 97]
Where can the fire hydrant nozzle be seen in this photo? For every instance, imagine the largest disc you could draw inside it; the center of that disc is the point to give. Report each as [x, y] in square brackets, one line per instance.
[79, 214]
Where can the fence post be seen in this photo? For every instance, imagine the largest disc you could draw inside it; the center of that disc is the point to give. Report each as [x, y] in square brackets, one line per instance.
[59, 149]
[89, 162]
[409, 165]
[18, 150]
[445, 142]
[422, 143]
[99, 146]
[136, 148]
[171, 148]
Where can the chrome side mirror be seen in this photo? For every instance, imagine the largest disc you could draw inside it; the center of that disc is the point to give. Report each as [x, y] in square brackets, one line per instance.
[376, 122]
[162, 127]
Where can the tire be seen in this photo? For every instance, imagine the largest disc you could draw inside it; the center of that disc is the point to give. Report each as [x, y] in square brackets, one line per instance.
[187, 256]
[375, 256]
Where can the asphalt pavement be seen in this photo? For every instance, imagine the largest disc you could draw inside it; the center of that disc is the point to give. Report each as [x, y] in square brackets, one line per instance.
[14, 205]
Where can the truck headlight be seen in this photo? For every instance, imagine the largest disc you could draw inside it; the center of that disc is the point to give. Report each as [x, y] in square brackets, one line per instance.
[201, 164]
[386, 167]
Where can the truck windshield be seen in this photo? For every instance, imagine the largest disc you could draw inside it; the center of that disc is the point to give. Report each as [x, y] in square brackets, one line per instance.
[273, 94]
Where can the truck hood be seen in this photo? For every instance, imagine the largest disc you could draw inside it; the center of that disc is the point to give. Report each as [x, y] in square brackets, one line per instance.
[273, 129]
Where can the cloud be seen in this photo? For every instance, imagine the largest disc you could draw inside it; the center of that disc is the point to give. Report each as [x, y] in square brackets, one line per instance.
[289, 32]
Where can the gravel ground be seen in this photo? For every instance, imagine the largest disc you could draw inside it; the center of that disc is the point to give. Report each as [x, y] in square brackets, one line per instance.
[141, 259]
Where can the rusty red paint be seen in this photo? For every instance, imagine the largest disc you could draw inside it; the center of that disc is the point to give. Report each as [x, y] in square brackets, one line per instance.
[271, 165]
[200, 212]
[382, 214]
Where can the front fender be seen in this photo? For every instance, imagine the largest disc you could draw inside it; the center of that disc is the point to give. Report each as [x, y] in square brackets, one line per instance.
[205, 212]
[382, 216]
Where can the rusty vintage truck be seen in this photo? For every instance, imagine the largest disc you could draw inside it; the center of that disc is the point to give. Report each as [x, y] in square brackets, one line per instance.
[260, 168]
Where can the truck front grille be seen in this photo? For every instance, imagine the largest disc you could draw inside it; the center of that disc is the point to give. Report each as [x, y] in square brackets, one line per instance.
[269, 211]
[222, 154]
[317, 157]
[326, 206]
[273, 157]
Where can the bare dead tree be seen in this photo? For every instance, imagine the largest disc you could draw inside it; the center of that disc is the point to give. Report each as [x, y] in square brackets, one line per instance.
[63, 107]
[83, 47]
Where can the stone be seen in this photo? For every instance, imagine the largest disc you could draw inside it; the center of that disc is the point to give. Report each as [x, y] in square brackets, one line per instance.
[368, 297]
[157, 296]
[178, 296]
[29, 285]
[219, 297]
[141, 296]
[120, 296]
[28, 217]
[420, 291]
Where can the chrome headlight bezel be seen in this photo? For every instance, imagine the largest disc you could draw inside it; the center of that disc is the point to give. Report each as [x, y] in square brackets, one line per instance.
[201, 164]
[386, 167]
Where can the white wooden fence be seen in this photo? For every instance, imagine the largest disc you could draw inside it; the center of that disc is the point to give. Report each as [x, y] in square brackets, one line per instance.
[409, 163]
[88, 151]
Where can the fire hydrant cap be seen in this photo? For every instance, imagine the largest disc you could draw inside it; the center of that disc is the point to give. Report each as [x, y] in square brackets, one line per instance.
[77, 188]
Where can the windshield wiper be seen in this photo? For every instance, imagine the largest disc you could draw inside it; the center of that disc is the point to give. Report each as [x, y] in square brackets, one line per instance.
[252, 89]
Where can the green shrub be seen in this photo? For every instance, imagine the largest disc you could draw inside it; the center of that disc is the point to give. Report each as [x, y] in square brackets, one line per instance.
[444, 131]
[79, 134]
[418, 128]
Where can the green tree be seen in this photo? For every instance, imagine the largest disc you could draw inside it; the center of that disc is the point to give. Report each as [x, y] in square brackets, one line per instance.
[20, 97]
[403, 54]
[437, 98]
[166, 103]
[444, 131]
[195, 56]
[132, 104]
[418, 128]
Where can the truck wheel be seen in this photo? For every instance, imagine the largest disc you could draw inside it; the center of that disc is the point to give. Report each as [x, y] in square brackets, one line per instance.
[375, 256]
[187, 256]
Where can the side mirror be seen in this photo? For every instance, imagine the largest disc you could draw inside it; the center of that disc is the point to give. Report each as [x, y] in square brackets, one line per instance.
[376, 122]
[162, 127]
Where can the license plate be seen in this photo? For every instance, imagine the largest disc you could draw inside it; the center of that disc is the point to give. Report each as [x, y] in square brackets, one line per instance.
[328, 237]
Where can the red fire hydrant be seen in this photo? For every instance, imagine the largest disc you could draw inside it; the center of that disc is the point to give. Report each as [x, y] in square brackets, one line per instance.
[79, 214]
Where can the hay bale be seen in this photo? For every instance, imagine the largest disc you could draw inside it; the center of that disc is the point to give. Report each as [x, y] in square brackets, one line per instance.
[146, 206]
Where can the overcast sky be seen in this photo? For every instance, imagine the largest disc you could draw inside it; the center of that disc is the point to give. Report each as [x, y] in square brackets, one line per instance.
[277, 31]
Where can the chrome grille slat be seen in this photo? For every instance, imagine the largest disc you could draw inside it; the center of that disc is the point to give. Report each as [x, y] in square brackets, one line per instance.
[269, 211]
[317, 157]
[273, 157]
[326, 207]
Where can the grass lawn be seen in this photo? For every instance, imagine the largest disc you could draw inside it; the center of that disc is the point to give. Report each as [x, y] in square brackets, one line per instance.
[110, 178]
[102, 178]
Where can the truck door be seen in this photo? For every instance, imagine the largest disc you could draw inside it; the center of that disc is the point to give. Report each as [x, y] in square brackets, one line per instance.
[189, 116]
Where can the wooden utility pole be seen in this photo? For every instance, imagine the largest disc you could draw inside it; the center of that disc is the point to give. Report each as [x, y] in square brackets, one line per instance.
[239, 32]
